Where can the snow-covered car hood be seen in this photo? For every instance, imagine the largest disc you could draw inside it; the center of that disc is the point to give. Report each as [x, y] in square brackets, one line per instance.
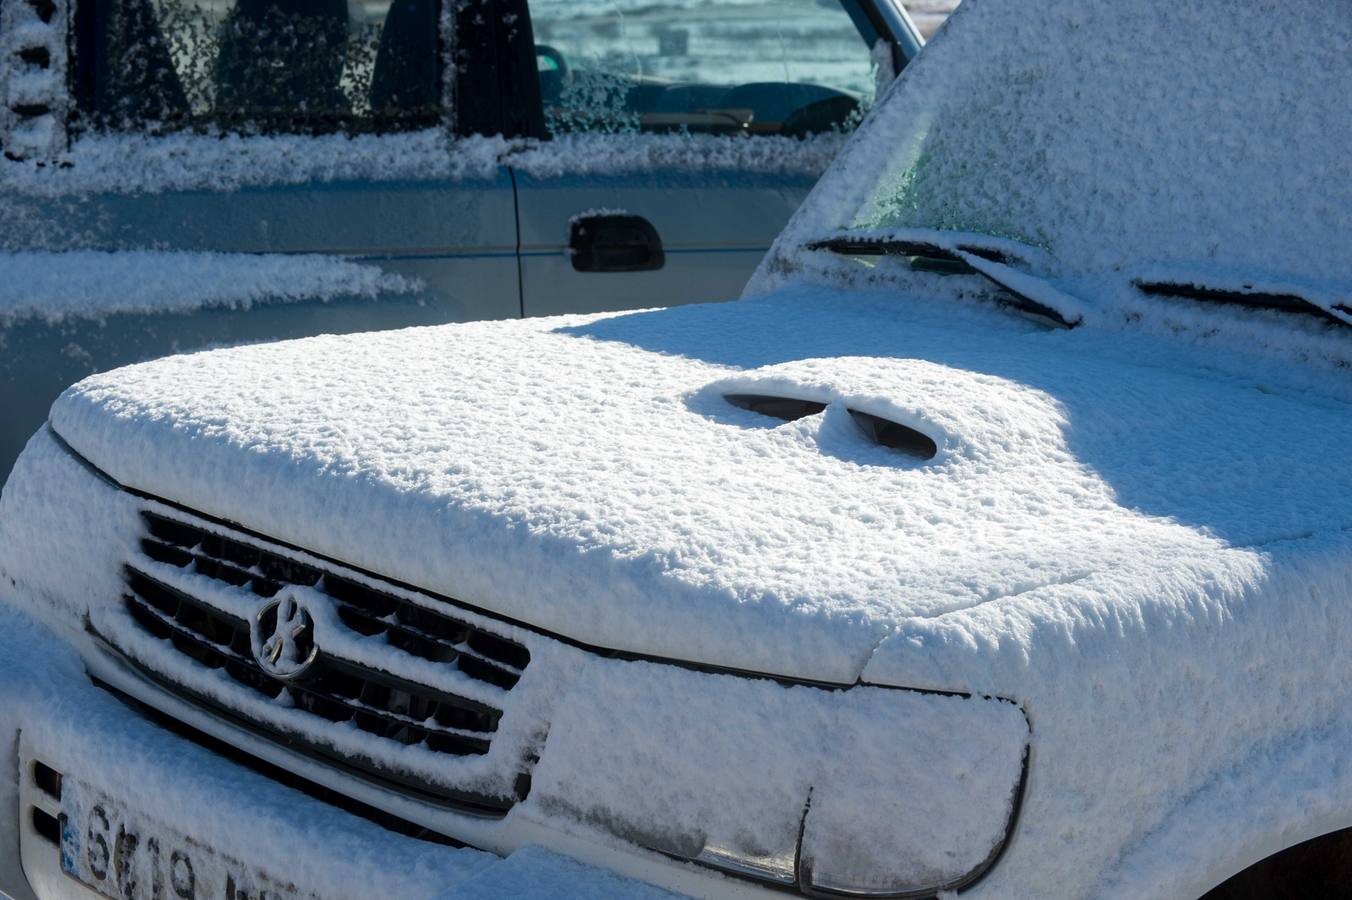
[588, 476]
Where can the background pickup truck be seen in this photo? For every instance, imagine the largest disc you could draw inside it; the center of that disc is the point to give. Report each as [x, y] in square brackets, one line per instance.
[180, 174]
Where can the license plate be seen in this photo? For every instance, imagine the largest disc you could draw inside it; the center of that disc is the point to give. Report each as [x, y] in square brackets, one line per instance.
[121, 853]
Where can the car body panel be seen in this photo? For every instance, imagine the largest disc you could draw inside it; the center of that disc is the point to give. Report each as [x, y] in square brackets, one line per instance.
[711, 222]
[399, 217]
[1170, 583]
[54, 715]
[547, 711]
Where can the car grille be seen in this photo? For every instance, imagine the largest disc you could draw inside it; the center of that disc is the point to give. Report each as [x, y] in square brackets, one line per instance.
[332, 689]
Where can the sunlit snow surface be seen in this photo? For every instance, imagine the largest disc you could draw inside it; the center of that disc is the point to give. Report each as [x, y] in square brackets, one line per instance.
[55, 286]
[601, 451]
[1121, 531]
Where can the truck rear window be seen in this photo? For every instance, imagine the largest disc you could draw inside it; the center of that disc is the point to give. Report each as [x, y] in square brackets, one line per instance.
[260, 66]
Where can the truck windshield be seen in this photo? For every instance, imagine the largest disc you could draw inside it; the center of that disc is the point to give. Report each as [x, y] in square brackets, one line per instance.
[751, 67]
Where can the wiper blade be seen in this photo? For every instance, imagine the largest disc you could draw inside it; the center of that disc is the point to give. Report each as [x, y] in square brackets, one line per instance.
[1031, 294]
[874, 246]
[1025, 292]
[1253, 299]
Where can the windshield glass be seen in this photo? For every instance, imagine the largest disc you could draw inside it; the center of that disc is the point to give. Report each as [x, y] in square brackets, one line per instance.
[1113, 135]
[753, 67]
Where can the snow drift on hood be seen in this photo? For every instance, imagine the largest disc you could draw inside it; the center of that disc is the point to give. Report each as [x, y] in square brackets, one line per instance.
[587, 475]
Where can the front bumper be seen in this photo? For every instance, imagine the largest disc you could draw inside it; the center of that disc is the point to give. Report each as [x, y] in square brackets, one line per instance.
[53, 715]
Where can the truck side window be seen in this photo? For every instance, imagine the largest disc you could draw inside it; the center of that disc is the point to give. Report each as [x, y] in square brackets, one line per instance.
[260, 66]
[793, 67]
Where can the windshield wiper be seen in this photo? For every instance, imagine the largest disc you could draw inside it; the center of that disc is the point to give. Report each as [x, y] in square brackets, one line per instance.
[1252, 299]
[1024, 292]
[870, 246]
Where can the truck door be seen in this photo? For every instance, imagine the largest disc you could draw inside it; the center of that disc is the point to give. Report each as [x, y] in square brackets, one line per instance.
[683, 136]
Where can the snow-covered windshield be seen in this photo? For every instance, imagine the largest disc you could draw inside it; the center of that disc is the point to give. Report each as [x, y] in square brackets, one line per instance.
[1118, 137]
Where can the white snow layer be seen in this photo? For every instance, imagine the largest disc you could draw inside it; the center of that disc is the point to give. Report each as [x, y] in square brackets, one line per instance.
[667, 760]
[1122, 532]
[85, 734]
[716, 534]
[1139, 530]
[53, 286]
[141, 164]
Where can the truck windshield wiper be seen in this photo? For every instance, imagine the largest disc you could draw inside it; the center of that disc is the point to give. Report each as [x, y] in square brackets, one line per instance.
[1247, 297]
[1025, 292]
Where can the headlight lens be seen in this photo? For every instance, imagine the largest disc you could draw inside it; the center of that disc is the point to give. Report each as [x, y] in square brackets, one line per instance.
[859, 792]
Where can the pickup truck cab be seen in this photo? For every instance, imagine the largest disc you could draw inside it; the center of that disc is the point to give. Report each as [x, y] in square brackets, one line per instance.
[997, 541]
[178, 174]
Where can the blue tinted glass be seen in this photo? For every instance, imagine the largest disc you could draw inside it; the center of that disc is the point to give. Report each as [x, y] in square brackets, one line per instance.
[267, 65]
[735, 66]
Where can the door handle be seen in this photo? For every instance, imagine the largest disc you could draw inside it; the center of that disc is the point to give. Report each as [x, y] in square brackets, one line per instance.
[615, 243]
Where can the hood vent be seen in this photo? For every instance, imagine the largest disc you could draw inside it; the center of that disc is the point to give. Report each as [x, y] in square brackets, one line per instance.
[789, 409]
[883, 432]
[896, 436]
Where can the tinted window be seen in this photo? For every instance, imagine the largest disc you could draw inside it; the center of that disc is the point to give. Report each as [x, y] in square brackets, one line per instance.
[733, 66]
[303, 66]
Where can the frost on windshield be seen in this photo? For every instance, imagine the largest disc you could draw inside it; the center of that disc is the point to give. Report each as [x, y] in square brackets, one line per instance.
[1118, 135]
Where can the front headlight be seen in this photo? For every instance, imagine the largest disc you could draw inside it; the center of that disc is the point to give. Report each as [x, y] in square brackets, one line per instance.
[853, 792]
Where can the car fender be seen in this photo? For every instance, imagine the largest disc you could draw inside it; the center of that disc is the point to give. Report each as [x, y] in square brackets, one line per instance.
[1291, 790]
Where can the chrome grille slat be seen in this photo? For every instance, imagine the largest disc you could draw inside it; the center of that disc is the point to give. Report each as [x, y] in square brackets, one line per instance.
[209, 653]
[417, 731]
[173, 602]
[511, 658]
[409, 638]
[219, 650]
[416, 641]
[334, 689]
[229, 572]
